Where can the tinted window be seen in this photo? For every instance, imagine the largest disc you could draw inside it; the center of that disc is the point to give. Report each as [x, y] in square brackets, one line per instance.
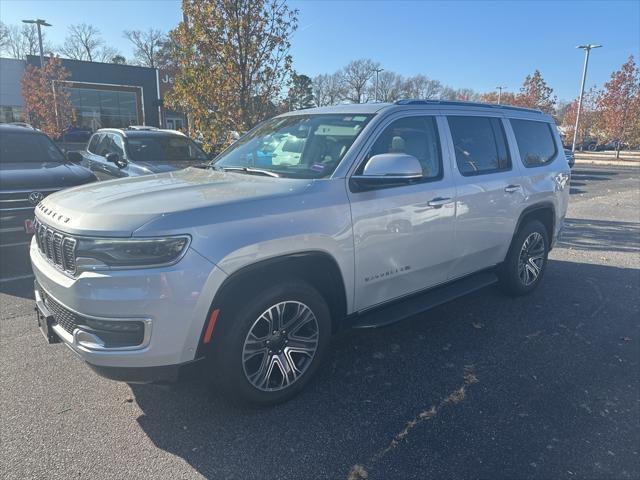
[480, 145]
[535, 142]
[25, 147]
[417, 136]
[163, 149]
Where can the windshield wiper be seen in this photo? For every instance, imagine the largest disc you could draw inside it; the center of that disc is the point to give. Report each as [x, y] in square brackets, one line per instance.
[250, 170]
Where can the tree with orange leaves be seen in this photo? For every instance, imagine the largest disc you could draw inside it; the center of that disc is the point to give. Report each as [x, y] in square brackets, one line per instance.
[619, 104]
[47, 100]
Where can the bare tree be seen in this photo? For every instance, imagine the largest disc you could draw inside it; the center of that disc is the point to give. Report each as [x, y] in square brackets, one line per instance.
[420, 86]
[82, 43]
[4, 37]
[20, 41]
[328, 89]
[390, 86]
[147, 46]
[356, 79]
[448, 93]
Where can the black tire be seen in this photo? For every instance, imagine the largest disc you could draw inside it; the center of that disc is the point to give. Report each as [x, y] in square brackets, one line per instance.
[510, 273]
[241, 316]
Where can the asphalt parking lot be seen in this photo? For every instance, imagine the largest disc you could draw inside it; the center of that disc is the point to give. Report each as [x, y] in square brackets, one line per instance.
[545, 386]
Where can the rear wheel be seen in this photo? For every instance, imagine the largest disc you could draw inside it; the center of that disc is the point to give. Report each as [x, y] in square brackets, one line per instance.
[273, 344]
[526, 261]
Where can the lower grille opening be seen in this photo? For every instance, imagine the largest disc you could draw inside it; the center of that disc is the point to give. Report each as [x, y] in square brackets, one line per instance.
[114, 333]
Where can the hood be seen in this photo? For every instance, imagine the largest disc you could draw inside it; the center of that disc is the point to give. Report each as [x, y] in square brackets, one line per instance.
[118, 207]
[42, 176]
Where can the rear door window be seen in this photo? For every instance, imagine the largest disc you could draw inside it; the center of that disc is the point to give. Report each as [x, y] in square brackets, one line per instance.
[480, 145]
[535, 142]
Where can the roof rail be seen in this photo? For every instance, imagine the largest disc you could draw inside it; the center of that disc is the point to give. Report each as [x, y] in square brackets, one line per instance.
[142, 127]
[412, 101]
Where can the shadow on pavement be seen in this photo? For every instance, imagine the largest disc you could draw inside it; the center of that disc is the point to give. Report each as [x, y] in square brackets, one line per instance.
[552, 369]
[587, 234]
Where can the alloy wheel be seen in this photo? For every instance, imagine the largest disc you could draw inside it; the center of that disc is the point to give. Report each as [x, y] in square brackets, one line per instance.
[280, 346]
[531, 259]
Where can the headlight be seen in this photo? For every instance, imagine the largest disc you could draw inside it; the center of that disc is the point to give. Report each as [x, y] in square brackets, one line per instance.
[116, 253]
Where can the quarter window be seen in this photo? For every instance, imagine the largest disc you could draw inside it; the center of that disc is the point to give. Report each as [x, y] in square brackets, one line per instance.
[416, 136]
[480, 144]
[535, 142]
[93, 143]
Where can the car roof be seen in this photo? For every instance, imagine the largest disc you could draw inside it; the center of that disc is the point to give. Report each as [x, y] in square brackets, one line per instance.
[7, 127]
[403, 105]
[129, 133]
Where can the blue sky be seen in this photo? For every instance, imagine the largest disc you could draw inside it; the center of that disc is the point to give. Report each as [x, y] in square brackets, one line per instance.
[477, 44]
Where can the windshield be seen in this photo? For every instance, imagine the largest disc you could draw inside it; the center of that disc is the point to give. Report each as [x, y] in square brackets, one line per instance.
[159, 149]
[301, 146]
[28, 147]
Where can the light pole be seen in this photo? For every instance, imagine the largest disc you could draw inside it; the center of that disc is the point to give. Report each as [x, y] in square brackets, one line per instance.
[587, 50]
[377, 70]
[40, 23]
[499, 88]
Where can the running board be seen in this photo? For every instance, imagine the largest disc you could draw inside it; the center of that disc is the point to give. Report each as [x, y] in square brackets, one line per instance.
[402, 309]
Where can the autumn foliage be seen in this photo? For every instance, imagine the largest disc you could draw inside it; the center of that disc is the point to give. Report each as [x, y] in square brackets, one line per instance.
[47, 101]
[619, 104]
[233, 63]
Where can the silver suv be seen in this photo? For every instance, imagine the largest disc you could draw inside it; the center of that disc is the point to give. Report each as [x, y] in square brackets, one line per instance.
[317, 220]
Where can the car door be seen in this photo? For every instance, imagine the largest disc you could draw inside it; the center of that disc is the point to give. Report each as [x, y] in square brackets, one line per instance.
[403, 234]
[489, 191]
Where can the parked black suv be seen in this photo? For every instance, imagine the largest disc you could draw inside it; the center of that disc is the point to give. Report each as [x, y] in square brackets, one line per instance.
[31, 167]
[139, 150]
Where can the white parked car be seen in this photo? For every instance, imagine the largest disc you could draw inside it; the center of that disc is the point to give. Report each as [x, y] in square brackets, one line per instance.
[245, 269]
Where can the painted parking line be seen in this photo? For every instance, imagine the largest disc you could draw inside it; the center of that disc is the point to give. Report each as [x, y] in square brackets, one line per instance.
[13, 279]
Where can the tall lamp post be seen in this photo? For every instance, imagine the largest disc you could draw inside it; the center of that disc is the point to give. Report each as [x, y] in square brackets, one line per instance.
[377, 70]
[40, 23]
[587, 49]
[500, 88]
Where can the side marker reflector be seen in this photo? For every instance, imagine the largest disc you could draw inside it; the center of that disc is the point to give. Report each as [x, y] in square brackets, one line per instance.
[213, 318]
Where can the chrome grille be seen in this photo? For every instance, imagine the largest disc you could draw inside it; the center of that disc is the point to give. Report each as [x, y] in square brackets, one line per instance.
[57, 247]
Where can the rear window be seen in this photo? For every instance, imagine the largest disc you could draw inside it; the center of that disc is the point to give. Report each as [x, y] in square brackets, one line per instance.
[535, 142]
[480, 145]
[164, 149]
[28, 148]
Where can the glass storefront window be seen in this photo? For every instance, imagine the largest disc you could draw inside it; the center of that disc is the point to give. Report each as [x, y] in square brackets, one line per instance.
[97, 108]
[10, 114]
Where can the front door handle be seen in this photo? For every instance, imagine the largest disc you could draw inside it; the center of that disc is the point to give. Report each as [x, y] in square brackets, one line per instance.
[512, 188]
[439, 201]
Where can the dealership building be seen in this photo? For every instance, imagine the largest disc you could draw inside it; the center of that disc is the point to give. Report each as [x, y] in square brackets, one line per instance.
[102, 94]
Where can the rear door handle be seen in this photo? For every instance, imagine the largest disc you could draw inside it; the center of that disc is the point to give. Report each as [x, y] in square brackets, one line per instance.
[512, 188]
[438, 201]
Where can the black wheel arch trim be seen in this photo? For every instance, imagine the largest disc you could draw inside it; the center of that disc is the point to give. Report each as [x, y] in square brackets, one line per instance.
[534, 208]
[232, 281]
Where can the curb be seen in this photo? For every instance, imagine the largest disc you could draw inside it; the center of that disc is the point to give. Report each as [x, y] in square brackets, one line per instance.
[609, 163]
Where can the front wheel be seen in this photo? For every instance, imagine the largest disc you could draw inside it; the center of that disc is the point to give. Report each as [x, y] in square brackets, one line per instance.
[273, 344]
[526, 260]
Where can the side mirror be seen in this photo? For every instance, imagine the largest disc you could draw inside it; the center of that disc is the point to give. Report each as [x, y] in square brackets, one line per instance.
[388, 169]
[74, 157]
[115, 158]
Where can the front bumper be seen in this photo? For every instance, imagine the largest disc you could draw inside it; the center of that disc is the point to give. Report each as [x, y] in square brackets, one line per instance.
[173, 302]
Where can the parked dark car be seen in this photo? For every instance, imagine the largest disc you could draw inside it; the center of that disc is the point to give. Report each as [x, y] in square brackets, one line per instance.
[31, 167]
[116, 153]
[75, 135]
